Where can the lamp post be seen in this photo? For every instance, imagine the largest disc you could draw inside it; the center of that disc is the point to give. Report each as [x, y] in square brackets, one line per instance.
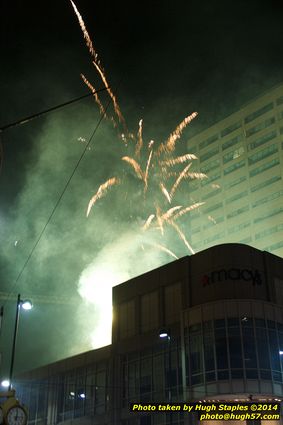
[165, 334]
[27, 305]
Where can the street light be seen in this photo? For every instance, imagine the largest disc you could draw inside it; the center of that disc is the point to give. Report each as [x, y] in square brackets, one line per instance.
[165, 334]
[26, 305]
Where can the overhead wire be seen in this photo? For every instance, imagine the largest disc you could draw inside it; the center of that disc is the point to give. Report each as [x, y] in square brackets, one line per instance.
[27, 119]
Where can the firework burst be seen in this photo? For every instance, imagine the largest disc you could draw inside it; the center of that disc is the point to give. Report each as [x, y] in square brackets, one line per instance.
[155, 167]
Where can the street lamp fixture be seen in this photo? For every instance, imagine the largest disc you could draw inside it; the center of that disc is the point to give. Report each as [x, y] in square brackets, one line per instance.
[26, 305]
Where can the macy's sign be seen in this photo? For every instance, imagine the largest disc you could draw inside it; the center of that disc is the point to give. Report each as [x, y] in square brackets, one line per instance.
[232, 274]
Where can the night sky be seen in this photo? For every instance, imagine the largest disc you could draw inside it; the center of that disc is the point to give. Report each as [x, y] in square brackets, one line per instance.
[163, 60]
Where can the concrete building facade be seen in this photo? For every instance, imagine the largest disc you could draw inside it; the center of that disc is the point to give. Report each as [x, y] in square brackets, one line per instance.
[223, 309]
[242, 156]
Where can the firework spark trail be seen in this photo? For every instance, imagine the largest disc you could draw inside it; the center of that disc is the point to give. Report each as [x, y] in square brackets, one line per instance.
[164, 249]
[179, 179]
[111, 94]
[170, 144]
[94, 92]
[148, 222]
[140, 140]
[85, 33]
[158, 160]
[147, 170]
[169, 213]
[165, 192]
[188, 209]
[178, 160]
[135, 166]
[101, 192]
[182, 236]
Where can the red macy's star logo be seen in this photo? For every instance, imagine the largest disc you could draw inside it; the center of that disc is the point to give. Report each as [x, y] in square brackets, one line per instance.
[205, 280]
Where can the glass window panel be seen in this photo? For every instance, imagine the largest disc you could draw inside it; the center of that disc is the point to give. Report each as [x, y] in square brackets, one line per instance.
[265, 374]
[230, 129]
[149, 311]
[264, 153]
[223, 374]
[221, 348]
[274, 350]
[196, 354]
[234, 167]
[262, 348]
[258, 113]
[209, 154]
[261, 140]
[208, 141]
[251, 374]
[232, 142]
[208, 343]
[265, 183]
[233, 321]
[210, 376]
[235, 349]
[249, 348]
[260, 323]
[260, 126]
[237, 373]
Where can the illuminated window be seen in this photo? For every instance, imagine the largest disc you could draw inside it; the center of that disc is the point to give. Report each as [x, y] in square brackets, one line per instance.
[258, 113]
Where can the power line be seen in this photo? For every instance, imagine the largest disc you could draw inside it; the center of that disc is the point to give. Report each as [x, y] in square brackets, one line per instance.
[46, 111]
[66, 185]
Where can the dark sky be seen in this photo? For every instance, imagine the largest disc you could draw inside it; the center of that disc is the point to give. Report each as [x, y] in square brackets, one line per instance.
[164, 59]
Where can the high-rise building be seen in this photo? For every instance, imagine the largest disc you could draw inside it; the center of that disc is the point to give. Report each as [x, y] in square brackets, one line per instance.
[242, 156]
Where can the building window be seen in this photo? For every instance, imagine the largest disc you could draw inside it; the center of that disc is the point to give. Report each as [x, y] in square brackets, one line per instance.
[236, 197]
[234, 167]
[258, 113]
[268, 214]
[268, 198]
[230, 129]
[173, 302]
[261, 140]
[149, 311]
[210, 179]
[239, 227]
[213, 207]
[264, 153]
[126, 319]
[233, 154]
[264, 167]
[208, 141]
[269, 231]
[232, 142]
[209, 154]
[265, 183]
[260, 126]
[235, 182]
[210, 166]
